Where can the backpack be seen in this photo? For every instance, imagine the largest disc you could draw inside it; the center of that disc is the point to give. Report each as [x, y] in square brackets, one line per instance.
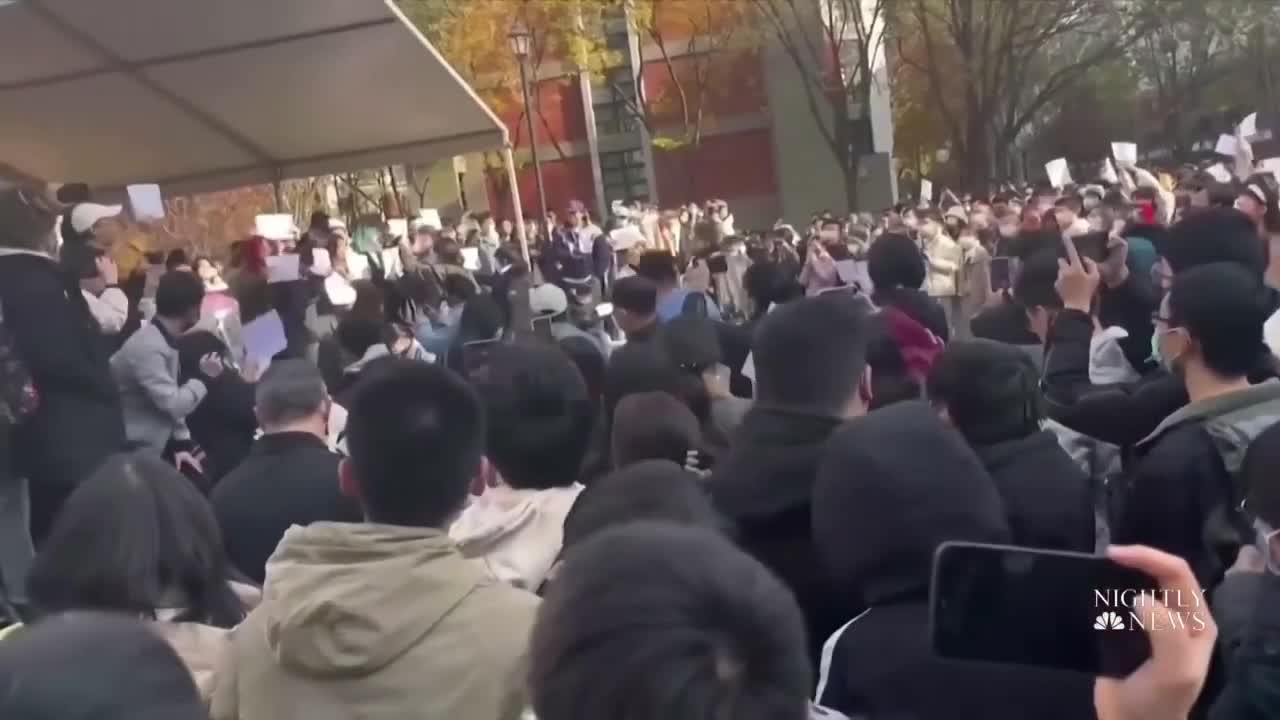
[695, 304]
[18, 397]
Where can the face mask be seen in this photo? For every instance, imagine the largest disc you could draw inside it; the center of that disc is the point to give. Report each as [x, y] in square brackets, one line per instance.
[1169, 364]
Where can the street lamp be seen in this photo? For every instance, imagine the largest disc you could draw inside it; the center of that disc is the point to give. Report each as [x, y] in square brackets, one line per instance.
[521, 44]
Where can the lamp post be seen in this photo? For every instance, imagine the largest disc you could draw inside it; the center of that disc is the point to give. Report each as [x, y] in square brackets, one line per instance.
[521, 41]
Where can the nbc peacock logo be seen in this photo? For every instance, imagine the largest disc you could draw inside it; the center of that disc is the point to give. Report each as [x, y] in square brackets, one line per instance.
[1108, 621]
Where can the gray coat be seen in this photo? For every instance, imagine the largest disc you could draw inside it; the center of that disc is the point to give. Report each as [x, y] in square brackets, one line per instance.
[155, 405]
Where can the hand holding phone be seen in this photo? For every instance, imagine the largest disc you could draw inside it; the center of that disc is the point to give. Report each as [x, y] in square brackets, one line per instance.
[1059, 610]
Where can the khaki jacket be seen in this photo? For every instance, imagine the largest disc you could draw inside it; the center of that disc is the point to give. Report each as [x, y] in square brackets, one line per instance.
[376, 622]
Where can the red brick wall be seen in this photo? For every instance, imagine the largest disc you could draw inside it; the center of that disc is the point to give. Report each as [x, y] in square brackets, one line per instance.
[724, 166]
[561, 101]
[564, 180]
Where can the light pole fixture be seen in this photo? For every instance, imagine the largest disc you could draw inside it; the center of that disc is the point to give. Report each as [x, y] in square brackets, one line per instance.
[521, 46]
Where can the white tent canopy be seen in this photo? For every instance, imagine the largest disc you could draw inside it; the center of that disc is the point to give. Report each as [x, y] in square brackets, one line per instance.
[201, 95]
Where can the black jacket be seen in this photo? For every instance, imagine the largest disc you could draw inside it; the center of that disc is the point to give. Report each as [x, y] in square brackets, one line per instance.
[1182, 496]
[1247, 609]
[764, 486]
[1048, 499]
[224, 423]
[79, 422]
[918, 306]
[288, 479]
[881, 508]
[1006, 323]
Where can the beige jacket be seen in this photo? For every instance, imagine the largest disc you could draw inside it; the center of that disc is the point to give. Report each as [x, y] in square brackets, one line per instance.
[943, 258]
[376, 622]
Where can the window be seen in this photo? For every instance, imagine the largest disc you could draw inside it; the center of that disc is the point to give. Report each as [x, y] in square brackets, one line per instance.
[623, 175]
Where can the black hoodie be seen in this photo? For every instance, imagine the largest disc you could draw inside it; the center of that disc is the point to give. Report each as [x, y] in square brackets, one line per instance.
[1049, 499]
[764, 487]
[881, 508]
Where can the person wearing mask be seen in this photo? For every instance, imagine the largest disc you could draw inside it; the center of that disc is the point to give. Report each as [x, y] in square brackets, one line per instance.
[819, 272]
[357, 618]
[137, 538]
[974, 278]
[539, 423]
[146, 370]
[78, 421]
[1123, 414]
[943, 256]
[989, 392]
[1007, 228]
[660, 268]
[119, 669]
[1067, 210]
[810, 374]
[635, 308]
[730, 643]
[1182, 496]
[290, 476]
[898, 272]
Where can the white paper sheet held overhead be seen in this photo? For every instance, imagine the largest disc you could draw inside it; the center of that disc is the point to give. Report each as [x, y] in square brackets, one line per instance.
[1126, 153]
[1249, 126]
[398, 227]
[926, 191]
[263, 338]
[1109, 172]
[471, 258]
[146, 202]
[430, 217]
[1219, 172]
[275, 226]
[282, 268]
[1059, 173]
[1271, 165]
[1227, 145]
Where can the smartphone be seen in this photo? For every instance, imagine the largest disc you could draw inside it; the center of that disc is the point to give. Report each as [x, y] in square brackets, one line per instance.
[604, 310]
[1043, 608]
[475, 357]
[718, 265]
[1091, 245]
[1001, 273]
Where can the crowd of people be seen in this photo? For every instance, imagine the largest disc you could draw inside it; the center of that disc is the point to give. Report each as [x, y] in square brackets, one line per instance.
[659, 468]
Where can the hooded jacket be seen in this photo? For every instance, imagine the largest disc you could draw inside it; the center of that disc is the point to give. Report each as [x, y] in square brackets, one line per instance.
[376, 622]
[764, 487]
[517, 534]
[1184, 491]
[881, 508]
[1047, 497]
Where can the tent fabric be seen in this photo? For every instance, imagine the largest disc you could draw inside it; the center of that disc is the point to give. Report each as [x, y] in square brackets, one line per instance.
[202, 95]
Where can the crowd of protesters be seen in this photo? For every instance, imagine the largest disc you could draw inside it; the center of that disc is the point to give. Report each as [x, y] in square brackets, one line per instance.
[658, 467]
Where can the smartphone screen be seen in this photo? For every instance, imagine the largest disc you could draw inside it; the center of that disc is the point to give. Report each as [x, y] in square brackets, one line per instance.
[1001, 273]
[1042, 608]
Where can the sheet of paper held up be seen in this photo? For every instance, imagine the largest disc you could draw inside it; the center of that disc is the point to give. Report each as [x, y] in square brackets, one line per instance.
[263, 338]
[398, 227]
[430, 217]
[1109, 172]
[275, 226]
[282, 268]
[471, 258]
[1126, 153]
[926, 191]
[1227, 145]
[1059, 173]
[146, 202]
[1219, 172]
[1249, 126]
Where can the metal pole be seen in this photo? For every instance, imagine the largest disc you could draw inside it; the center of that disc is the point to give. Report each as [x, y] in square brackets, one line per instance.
[515, 204]
[533, 142]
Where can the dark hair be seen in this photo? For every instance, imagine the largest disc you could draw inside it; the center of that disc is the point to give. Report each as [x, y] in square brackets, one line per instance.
[79, 260]
[1266, 183]
[290, 390]
[1036, 283]
[659, 266]
[1213, 235]
[178, 294]
[135, 537]
[1222, 306]
[540, 416]
[448, 252]
[767, 283]
[636, 294]
[176, 258]
[895, 261]
[648, 367]
[647, 490]
[721, 636]
[891, 380]
[811, 354]
[458, 287]
[415, 433]
[692, 343]
[1261, 466]
[91, 666]
[990, 390]
[1070, 202]
[653, 426]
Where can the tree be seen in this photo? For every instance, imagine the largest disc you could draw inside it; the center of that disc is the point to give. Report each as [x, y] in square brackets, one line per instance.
[836, 47]
[1013, 58]
[692, 44]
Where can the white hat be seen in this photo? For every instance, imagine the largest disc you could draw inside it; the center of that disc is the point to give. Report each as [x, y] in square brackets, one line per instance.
[85, 215]
[547, 300]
